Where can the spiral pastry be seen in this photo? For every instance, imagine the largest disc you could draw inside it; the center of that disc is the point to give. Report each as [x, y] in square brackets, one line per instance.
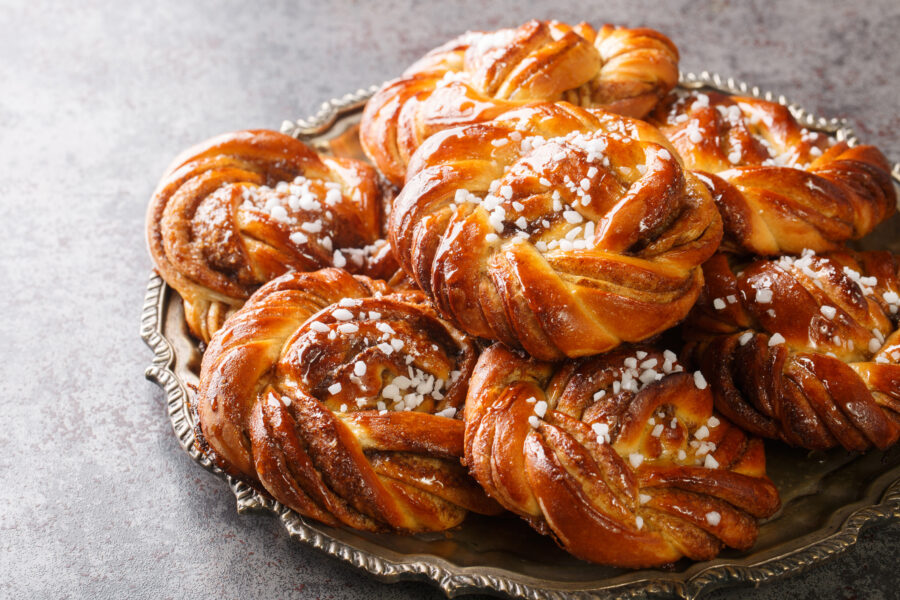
[619, 457]
[780, 187]
[241, 209]
[804, 349]
[341, 400]
[479, 75]
[557, 229]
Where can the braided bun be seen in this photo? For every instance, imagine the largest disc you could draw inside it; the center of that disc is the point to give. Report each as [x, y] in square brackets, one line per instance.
[619, 456]
[339, 398]
[243, 208]
[780, 187]
[556, 229]
[480, 75]
[804, 349]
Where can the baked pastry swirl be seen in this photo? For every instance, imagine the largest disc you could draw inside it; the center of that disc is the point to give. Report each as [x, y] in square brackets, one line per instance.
[242, 208]
[805, 349]
[340, 399]
[619, 457]
[479, 75]
[557, 229]
[780, 187]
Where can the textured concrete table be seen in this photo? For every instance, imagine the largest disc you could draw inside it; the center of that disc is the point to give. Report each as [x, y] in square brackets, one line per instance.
[96, 498]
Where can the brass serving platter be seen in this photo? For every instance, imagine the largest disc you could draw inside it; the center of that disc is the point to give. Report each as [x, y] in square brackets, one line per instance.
[827, 496]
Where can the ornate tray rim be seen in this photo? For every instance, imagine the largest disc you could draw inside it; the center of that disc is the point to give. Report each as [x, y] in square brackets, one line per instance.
[453, 579]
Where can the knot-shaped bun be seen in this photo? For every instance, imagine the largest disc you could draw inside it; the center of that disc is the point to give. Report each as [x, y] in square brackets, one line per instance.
[557, 229]
[243, 208]
[479, 75]
[780, 187]
[805, 349]
[341, 400]
[619, 457]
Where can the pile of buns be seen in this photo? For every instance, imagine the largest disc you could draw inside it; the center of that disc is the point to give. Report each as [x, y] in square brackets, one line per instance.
[478, 320]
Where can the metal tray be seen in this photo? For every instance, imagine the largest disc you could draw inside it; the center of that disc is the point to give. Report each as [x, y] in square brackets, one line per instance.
[827, 497]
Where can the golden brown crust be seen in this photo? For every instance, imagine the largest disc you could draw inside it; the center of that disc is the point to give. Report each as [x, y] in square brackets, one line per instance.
[780, 187]
[242, 208]
[337, 395]
[479, 75]
[618, 456]
[804, 349]
[557, 229]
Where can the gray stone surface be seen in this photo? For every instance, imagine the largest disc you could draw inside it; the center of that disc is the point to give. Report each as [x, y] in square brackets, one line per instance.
[96, 498]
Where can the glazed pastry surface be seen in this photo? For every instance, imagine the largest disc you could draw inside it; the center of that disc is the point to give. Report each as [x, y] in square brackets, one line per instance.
[780, 187]
[561, 230]
[480, 75]
[619, 457]
[805, 349]
[243, 208]
[341, 398]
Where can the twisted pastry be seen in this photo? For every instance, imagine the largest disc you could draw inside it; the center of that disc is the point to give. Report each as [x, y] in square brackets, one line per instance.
[618, 456]
[479, 75]
[242, 208]
[780, 187]
[557, 229]
[804, 349]
[340, 399]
